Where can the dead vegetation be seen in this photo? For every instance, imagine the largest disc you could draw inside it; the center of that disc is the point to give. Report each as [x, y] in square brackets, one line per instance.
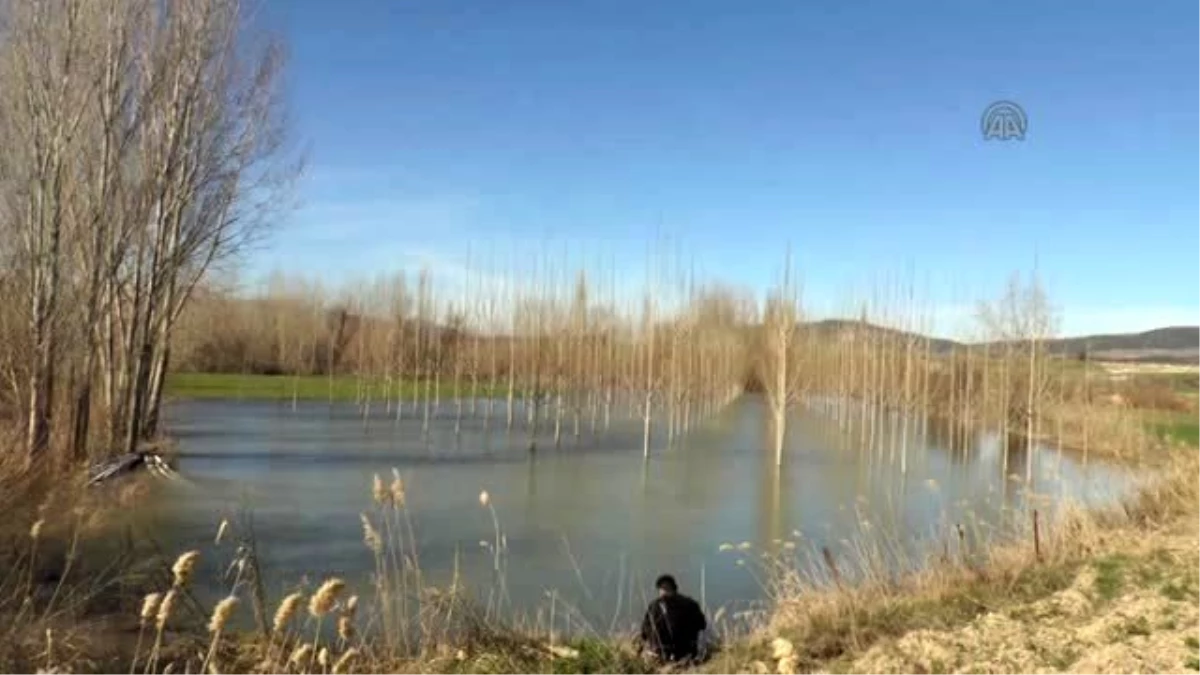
[1114, 589]
[1070, 603]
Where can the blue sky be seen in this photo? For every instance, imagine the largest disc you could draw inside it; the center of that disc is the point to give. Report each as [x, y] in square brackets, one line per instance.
[847, 130]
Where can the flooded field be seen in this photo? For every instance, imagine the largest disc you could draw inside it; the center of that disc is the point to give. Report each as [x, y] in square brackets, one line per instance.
[592, 521]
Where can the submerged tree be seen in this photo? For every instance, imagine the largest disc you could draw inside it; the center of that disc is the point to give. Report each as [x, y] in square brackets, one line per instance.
[778, 371]
[1023, 320]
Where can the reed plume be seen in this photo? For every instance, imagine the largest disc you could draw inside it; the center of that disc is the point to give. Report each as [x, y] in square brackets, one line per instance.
[220, 617]
[35, 531]
[378, 492]
[222, 530]
[164, 609]
[323, 657]
[345, 628]
[322, 601]
[370, 535]
[221, 614]
[397, 489]
[301, 654]
[339, 666]
[287, 609]
[484, 498]
[149, 607]
[160, 623]
[184, 566]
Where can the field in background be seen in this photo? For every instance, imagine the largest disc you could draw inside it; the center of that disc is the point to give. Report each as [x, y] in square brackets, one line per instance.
[309, 387]
[1177, 371]
[1166, 395]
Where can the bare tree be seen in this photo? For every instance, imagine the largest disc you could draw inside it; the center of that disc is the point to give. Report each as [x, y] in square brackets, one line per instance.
[143, 144]
[778, 371]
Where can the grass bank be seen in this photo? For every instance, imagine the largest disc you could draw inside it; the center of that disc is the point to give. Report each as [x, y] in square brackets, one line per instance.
[313, 388]
[1107, 590]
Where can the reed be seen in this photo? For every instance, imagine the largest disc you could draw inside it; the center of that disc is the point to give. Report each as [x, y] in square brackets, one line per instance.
[835, 604]
[220, 617]
[825, 607]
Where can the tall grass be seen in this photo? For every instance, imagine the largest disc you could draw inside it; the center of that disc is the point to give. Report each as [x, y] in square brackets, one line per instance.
[820, 605]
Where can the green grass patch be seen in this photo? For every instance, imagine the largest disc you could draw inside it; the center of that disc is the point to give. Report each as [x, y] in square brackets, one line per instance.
[311, 387]
[1175, 591]
[1175, 426]
[599, 656]
[1110, 574]
[1187, 432]
[1191, 642]
[1138, 626]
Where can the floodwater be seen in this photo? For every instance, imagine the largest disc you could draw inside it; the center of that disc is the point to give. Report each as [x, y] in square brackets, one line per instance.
[591, 521]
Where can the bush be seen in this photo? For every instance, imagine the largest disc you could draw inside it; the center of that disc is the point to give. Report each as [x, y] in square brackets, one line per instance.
[1153, 393]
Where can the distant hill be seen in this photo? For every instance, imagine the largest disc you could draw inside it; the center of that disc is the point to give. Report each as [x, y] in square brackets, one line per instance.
[848, 326]
[1173, 344]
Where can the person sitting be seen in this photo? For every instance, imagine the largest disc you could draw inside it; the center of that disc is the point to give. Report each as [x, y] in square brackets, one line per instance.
[673, 623]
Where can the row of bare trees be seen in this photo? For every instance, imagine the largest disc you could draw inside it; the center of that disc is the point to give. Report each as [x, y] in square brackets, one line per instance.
[142, 145]
[884, 376]
[567, 351]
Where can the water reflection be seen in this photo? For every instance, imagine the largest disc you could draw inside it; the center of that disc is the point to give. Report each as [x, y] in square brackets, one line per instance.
[594, 519]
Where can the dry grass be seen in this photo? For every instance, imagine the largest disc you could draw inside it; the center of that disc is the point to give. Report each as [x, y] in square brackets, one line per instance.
[66, 595]
[834, 628]
[817, 620]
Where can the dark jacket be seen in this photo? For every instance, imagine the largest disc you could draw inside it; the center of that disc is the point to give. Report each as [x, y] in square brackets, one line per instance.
[672, 625]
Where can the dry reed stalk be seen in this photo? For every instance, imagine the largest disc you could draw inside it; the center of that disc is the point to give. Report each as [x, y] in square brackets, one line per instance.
[287, 609]
[345, 628]
[164, 609]
[378, 492]
[161, 618]
[371, 535]
[397, 490]
[322, 602]
[344, 660]
[148, 612]
[220, 616]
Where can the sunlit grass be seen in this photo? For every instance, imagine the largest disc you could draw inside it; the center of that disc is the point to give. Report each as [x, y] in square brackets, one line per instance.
[1177, 427]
